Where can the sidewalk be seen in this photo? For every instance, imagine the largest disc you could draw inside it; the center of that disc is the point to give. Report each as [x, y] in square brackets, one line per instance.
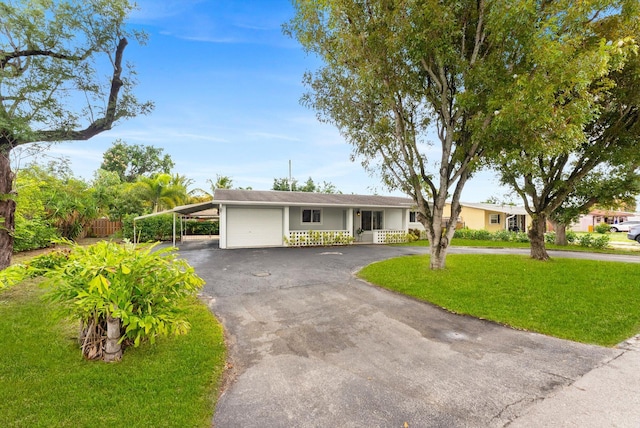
[608, 396]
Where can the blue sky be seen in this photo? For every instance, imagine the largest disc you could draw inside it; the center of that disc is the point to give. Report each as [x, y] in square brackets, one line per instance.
[226, 84]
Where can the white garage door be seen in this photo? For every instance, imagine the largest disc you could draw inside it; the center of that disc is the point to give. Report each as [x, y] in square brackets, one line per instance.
[254, 227]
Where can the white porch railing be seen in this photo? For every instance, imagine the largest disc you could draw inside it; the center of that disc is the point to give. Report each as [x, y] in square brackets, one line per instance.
[308, 238]
[389, 236]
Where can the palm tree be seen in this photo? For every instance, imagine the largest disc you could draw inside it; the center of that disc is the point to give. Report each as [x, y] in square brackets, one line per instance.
[161, 191]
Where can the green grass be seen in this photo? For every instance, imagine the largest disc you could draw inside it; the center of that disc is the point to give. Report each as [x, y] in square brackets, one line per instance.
[45, 382]
[581, 300]
[459, 242]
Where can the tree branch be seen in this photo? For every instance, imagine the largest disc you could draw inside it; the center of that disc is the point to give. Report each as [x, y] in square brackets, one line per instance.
[99, 125]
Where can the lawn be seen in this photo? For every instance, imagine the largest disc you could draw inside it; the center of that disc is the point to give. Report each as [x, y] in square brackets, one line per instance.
[582, 300]
[631, 248]
[44, 381]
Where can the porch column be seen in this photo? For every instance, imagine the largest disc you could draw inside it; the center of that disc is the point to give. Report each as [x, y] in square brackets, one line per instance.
[349, 224]
[285, 226]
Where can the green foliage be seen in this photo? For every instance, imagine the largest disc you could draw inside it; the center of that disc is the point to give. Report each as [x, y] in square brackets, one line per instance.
[571, 236]
[151, 229]
[195, 227]
[480, 235]
[550, 237]
[585, 240]
[43, 383]
[590, 240]
[51, 197]
[51, 56]
[132, 161]
[282, 184]
[161, 191]
[142, 286]
[602, 228]
[31, 234]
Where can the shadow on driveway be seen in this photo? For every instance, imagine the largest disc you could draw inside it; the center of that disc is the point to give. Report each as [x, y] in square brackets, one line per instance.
[311, 345]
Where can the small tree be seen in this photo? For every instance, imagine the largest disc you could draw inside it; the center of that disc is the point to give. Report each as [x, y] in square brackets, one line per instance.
[119, 293]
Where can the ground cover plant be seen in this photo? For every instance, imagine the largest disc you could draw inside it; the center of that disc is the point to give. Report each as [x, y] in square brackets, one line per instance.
[583, 300]
[44, 381]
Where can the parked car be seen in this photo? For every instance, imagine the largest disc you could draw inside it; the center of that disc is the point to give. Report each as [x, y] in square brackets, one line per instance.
[624, 226]
[634, 234]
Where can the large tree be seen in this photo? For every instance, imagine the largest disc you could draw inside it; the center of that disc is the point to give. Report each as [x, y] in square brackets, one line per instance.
[568, 108]
[603, 187]
[130, 161]
[53, 55]
[398, 74]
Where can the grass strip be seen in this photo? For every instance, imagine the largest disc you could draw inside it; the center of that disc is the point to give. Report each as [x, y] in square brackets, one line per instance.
[582, 300]
[45, 382]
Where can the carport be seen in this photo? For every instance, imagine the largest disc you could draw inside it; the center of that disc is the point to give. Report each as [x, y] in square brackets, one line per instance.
[202, 210]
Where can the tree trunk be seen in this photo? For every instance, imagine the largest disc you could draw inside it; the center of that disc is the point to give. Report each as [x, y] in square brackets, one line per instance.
[113, 349]
[536, 237]
[7, 210]
[438, 247]
[561, 233]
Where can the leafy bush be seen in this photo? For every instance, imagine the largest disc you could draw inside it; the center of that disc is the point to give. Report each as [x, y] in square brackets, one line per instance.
[138, 287]
[571, 236]
[550, 237]
[32, 234]
[602, 228]
[600, 242]
[585, 240]
[195, 227]
[502, 235]
[156, 228]
[485, 235]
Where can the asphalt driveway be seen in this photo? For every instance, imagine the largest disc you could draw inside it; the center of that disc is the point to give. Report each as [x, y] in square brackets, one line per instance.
[310, 345]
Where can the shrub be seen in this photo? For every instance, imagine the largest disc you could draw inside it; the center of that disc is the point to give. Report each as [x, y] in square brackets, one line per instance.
[32, 234]
[600, 242]
[156, 228]
[550, 237]
[195, 227]
[503, 235]
[571, 236]
[137, 289]
[602, 228]
[463, 233]
[585, 240]
[521, 237]
[481, 235]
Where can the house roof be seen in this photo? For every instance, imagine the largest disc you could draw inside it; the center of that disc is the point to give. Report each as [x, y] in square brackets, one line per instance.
[201, 209]
[506, 209]
[611, 213]
[273, 197]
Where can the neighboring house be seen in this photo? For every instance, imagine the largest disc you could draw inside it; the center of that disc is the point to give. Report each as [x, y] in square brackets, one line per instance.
[491, 217]
[253, 218]
[587, 222]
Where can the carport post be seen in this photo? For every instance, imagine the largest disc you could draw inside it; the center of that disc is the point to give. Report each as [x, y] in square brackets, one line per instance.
[174, 229]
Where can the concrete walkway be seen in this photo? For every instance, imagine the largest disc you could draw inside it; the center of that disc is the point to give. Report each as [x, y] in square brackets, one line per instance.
[310, 345]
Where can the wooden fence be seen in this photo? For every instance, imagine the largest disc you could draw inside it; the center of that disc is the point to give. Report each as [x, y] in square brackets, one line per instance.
[103, 228]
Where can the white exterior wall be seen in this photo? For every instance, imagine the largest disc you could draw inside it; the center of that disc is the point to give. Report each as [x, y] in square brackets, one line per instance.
[331, 219]
[395, 219]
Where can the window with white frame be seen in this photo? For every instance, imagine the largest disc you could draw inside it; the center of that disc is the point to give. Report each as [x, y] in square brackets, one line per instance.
[312, 215]
[494, 218]
[412, 216]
